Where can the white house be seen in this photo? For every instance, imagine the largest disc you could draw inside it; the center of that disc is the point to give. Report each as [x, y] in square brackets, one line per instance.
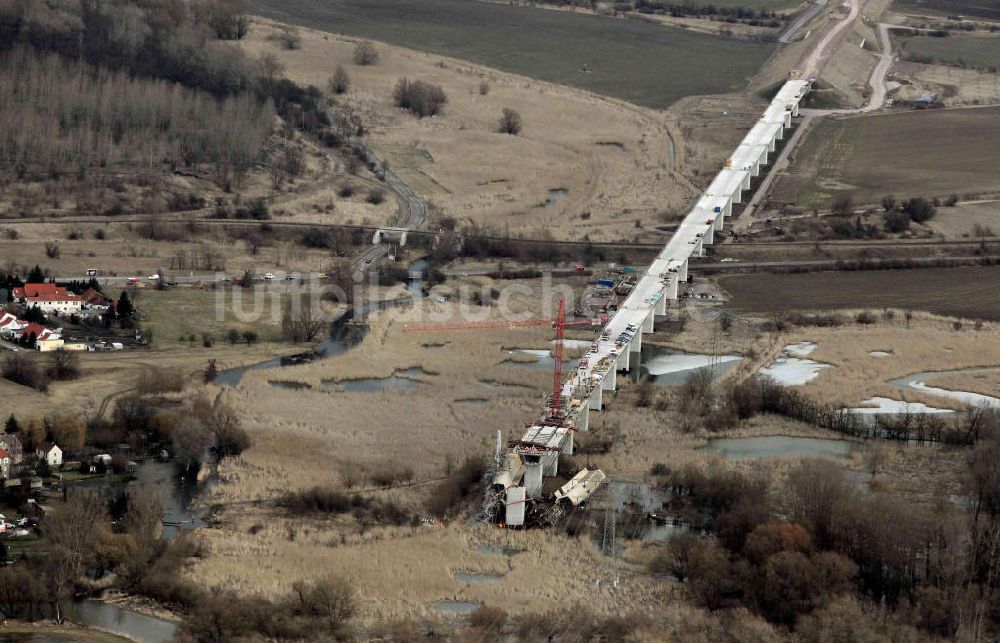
[49, 298]
[5, 461]
[51, 453]
[10, 325]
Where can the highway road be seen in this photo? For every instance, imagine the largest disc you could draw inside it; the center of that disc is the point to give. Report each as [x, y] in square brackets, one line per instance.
[412, 211]
[788, 35]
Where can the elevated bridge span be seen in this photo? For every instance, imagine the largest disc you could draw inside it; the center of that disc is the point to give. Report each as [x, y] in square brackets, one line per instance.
[618, 346]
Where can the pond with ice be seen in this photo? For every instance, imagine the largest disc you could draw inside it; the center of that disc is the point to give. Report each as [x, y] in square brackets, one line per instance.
[667, 366]
[792, 370]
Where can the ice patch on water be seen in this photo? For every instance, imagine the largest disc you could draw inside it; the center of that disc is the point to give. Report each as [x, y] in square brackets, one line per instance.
[801, 348]
[973, 399]
[878, 405]
[793, 371]
[664, 364]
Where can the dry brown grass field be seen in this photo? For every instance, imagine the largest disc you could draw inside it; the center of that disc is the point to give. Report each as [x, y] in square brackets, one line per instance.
[930, 343]
[126, 250]
[402, 572]
[313, 437]
[611, 158]
[955, 87]
[968, 220]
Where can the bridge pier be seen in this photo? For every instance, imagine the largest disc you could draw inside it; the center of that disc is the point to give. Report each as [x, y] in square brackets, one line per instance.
[661, 304]
[672, 288]
[646, 327]
[610, 381]
[682, 272]
[582, 422]
[709, 237]
[594, 404]
[622, 363]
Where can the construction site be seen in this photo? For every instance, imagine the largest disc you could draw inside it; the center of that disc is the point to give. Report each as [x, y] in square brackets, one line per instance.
[525, 491]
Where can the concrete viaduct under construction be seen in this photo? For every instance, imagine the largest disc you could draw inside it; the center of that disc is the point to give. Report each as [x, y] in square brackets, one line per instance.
[515, 498]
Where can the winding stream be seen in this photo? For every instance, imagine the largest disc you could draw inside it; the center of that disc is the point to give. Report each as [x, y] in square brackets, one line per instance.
[112, 618]
[918, 382]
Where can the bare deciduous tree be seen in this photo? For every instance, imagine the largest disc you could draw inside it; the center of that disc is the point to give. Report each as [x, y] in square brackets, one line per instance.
[191, 440]
[143, 515]
[331, 600]
[64, 365]
[302, 325]
[78, 527]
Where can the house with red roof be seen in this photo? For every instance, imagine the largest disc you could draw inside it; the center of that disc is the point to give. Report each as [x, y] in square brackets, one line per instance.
[94, 299]
[40, 332]
[10, 325]
[49, 298]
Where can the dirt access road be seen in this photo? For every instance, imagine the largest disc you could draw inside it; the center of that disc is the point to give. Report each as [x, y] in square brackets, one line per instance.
[813, 64]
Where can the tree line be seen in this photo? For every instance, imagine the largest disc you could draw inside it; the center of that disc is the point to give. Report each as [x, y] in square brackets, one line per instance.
[65, 115]
[826, 560]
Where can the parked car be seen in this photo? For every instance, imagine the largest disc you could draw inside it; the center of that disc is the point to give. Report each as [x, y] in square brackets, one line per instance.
[269, 276]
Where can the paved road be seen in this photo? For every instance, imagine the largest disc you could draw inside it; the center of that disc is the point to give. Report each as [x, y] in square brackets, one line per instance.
[789, 34]
[412, 211]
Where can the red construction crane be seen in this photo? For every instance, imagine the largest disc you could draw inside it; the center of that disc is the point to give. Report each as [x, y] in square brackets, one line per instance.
[559, 323]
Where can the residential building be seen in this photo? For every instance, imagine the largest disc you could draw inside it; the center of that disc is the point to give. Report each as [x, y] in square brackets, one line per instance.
[41, 333]
[49, 298]
[10, 325]
[12, 445]
[50, 453]
[5, 462]
[94, 299]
